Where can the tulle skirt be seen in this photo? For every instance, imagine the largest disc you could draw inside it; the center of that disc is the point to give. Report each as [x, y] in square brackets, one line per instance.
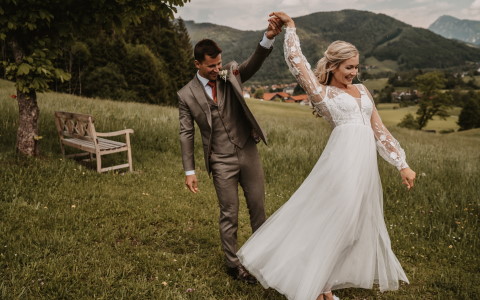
[331, 233]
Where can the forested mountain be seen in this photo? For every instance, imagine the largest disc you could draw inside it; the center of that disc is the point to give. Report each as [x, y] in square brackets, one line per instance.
[453, 28]
[379, 38]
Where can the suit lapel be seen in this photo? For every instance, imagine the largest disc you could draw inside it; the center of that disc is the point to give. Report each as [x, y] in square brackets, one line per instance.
[238, 91]
[221, 86]
[235, 84]
[199, 94]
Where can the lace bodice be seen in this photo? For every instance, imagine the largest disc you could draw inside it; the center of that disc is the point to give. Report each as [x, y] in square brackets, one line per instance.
[339, 107]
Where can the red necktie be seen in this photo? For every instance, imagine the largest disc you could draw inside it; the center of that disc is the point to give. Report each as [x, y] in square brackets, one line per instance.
[213, 85]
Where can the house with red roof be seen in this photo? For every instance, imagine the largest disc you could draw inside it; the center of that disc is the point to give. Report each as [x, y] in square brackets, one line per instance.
[278, 96]
[300, 98]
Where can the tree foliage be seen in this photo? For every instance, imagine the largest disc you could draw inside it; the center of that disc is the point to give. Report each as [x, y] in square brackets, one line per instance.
[432, 101]
[385, 94]
[259, 93]
[469, 117]
[155, 58]
[408, 122]
[36, 32]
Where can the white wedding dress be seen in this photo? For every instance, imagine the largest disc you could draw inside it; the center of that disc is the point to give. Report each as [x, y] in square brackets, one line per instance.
[331, 234]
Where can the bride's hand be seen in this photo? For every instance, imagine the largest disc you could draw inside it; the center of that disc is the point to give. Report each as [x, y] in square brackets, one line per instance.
[408, 177]
[284, 18]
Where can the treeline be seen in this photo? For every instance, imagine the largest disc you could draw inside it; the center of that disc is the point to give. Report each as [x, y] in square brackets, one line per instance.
[434, 93]
[455, 82]
[148, 62]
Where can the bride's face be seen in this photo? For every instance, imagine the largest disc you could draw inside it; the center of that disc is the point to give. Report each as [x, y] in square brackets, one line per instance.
[346, 71]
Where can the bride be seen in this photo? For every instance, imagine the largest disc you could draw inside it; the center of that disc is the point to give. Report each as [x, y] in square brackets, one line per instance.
[331, 233]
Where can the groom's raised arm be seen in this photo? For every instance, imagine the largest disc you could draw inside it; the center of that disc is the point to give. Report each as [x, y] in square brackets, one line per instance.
[249, 67]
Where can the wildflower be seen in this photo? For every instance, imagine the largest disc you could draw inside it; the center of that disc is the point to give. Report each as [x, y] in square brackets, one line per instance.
[164, 283]
[13, 96]
[189, 290]
[451, 246]
[74, 206]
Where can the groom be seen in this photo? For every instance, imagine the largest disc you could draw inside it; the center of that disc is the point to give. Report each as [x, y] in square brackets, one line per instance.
[214, 100]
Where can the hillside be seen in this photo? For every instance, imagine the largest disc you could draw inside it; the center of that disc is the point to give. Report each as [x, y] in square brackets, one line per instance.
[382, 40]
[453, 28]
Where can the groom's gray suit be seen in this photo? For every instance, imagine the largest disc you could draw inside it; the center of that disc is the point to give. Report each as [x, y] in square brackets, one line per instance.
[229, 131]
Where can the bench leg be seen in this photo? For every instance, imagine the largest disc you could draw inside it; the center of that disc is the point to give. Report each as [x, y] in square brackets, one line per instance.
[62, 148]
[129, 152]
[99, 162]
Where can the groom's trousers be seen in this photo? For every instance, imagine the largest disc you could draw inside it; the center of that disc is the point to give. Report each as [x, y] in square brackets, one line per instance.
[243, 167]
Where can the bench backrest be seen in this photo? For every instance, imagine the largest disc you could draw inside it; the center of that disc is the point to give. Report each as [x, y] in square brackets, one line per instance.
[75, 125]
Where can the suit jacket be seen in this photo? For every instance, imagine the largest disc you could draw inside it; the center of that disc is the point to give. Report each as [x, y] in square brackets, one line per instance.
[194, 106]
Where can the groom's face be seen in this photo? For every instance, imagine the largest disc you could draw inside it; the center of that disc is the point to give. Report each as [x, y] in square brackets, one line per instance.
[209, 67]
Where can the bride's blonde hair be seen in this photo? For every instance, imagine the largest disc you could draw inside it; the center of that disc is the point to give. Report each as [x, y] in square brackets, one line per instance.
[336, 53]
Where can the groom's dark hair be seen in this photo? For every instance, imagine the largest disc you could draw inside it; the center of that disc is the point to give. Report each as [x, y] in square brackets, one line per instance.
[208, 47]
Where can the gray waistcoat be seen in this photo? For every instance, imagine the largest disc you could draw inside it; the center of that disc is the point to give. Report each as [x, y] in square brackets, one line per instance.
[230, 127]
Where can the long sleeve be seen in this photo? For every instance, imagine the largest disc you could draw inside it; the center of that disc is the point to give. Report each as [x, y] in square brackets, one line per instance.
[300, 68]
[387, 146]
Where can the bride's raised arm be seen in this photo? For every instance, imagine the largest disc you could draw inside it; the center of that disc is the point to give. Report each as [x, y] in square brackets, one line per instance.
[299, 66]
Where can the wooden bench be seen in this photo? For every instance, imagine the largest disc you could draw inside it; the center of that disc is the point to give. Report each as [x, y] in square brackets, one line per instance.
[77, 131]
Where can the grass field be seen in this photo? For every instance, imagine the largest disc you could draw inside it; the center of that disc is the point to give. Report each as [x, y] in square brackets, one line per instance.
[375, 84]
[67, 232]
[392, 114]
[381, 66]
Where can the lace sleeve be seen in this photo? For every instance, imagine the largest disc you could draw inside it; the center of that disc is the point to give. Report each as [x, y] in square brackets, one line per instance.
[387, 146]
[300, 68]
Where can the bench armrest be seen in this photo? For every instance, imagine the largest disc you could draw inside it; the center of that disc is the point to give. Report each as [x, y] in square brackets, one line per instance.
[115, 133]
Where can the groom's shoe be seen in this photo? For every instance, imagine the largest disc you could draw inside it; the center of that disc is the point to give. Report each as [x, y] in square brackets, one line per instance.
[240, 273]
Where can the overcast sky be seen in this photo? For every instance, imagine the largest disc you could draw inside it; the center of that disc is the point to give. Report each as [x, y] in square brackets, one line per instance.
[253, 14]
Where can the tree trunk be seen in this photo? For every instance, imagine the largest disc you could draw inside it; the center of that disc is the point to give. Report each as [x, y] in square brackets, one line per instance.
[28, 111]
[27, 133]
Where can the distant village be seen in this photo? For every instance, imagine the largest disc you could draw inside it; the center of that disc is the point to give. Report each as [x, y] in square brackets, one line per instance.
[284, 93]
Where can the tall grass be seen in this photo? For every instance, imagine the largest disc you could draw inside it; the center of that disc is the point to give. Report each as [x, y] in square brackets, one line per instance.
[67, 232]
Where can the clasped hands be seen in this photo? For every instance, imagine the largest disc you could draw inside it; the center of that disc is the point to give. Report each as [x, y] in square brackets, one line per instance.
[276, 22]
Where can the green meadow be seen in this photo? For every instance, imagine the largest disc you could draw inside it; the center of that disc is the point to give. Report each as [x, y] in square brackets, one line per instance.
[67, 232]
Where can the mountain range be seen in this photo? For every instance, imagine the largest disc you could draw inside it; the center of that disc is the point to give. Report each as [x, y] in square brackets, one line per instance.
[385, 44]
[453, 28]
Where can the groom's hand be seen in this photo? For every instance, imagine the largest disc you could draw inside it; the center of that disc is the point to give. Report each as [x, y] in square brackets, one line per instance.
[192, 183]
